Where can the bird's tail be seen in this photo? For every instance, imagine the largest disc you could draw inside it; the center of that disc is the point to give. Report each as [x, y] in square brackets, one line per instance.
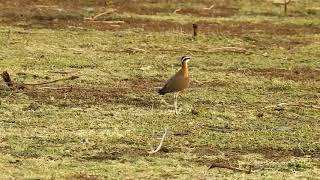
[161, 91]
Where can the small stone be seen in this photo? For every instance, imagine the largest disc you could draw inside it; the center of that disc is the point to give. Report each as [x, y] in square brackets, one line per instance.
[195, 112]
[260, 114]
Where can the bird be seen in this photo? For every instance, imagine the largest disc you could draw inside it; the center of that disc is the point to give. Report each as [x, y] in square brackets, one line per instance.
[177, 82]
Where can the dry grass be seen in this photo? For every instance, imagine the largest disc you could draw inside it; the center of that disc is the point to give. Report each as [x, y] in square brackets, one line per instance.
[243, 109]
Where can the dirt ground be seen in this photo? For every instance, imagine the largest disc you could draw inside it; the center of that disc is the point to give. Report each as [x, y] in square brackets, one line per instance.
[259, 37]
[64, 14]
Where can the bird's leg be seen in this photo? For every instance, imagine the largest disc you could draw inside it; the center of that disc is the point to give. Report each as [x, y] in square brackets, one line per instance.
[176, 102]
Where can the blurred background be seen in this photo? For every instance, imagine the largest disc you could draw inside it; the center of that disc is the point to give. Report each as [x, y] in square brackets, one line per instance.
[137, 13]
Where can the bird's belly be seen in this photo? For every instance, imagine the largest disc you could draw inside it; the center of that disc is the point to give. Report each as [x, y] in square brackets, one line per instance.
[183, 84]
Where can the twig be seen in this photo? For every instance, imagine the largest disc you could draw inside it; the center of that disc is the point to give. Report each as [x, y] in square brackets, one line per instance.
[112, 23]
[44, 6]
[109, 11]
[160, 145]
[230, 167]
[109, 22]
[58, 72]
[54, 81]
[177, 10]
[56, 88]
[209, 8]
[101, 14]
[13, 85]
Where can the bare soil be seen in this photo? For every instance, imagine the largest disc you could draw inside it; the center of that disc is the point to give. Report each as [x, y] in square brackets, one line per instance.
[128, 93]
[230, 28]
[232, 155]
[219, 10]
[64, 14]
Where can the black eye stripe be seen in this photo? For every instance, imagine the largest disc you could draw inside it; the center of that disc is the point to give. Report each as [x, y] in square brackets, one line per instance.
[185, 58]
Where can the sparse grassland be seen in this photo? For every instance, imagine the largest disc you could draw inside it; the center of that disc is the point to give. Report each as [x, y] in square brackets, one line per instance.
[259, 108]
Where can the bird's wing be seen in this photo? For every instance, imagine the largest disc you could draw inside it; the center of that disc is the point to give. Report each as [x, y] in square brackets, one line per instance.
[172, 84]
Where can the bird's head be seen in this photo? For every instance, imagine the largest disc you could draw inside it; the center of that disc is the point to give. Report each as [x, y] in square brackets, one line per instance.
[185, 59]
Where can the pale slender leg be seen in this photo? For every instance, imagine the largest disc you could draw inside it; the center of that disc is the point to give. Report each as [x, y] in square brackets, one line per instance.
[176, 102]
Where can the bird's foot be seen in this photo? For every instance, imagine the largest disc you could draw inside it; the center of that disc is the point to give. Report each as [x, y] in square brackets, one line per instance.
[177, 111]
[166, 103]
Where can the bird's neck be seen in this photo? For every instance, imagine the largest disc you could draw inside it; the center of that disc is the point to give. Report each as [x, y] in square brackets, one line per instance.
[185, 70]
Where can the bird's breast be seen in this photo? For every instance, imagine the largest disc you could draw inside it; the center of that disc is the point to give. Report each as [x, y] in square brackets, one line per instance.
[183, 83]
